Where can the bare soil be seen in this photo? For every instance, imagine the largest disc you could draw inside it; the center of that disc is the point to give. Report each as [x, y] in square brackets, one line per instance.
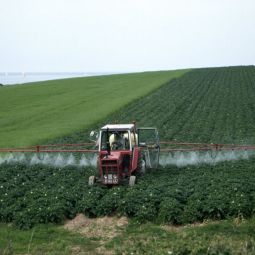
[104, 227]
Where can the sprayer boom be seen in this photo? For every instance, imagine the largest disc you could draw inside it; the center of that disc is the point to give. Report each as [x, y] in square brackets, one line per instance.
[123, 150]
[165, 146]
[173, 146]
[51, 148]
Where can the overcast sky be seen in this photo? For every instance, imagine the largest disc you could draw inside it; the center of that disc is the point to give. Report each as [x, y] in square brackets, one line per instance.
[125, 35]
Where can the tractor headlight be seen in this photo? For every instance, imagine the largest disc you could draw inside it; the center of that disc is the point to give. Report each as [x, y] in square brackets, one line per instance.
[105, 176]
[115, 176]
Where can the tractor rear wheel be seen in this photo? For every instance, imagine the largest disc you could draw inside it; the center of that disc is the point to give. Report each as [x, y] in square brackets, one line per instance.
[92, 180]
[132, 179]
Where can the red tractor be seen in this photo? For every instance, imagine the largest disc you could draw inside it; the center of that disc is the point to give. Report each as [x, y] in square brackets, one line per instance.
[124, 151]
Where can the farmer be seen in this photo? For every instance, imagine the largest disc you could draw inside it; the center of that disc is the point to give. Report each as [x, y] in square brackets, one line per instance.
[119, 141]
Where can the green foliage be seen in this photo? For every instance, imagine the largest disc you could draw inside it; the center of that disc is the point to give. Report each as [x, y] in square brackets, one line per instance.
[170, 211]
[110, 201]
[90, 200]
[214, 105]
[38, 194]
[42, 239]
[224, 237]
[38, 112]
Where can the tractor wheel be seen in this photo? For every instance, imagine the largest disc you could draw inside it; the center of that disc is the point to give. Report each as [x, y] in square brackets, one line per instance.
[132, 179]
[92, 180]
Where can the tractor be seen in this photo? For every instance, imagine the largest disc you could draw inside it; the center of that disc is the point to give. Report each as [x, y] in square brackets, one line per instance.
[124, 152]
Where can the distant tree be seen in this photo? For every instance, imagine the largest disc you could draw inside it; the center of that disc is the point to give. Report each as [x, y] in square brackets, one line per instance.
[1, 85]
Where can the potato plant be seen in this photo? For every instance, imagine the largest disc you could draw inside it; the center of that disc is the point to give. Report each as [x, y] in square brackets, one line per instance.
[38, 194]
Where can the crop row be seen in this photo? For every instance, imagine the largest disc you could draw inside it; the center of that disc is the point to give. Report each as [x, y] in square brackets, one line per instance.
[39, 194]
[214, 105]
[206, 105]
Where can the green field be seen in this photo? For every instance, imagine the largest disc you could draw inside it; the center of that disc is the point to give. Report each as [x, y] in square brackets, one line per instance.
[224, 237]
[37, 112]
[214, 105]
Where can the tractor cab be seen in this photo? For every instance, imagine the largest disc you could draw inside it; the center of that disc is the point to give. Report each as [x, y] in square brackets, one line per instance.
[117, 137]
[121, 154]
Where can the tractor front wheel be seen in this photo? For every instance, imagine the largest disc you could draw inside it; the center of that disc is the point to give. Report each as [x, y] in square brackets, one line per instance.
[92, 180]
[132, 179]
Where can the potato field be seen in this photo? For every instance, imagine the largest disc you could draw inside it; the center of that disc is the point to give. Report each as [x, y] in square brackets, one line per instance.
[214, 105]
[39, 194]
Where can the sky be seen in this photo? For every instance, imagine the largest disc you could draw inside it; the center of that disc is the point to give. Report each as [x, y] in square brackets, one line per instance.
[125, 35]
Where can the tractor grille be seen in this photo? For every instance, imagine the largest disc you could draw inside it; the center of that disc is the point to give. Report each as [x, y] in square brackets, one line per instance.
[110, 166]
[110, 171]
[109, 162]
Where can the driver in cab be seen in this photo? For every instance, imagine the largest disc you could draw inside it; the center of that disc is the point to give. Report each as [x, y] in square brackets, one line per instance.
[119, 141]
